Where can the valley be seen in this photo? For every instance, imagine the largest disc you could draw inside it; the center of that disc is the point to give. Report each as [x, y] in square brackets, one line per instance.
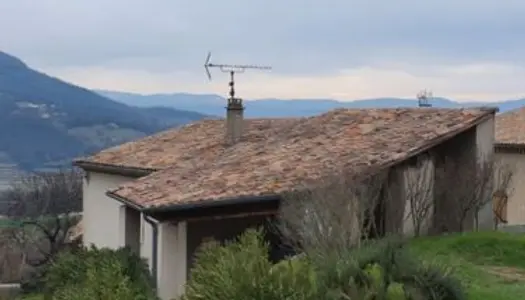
[50, 121]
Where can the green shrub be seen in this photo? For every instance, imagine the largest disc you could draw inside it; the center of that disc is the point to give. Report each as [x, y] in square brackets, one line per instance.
[242, 270]
[93, 270]
[108, 281]
[381, 270]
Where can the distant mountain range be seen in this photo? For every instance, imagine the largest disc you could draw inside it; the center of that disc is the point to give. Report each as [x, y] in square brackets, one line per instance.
[45, 122]
[214, 104]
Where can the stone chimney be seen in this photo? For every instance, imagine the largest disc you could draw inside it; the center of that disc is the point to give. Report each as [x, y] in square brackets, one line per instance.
[234, 114]
[234, 120]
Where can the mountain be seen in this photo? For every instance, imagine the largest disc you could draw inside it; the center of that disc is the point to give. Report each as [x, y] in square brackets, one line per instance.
[214, 104]
[46, 122]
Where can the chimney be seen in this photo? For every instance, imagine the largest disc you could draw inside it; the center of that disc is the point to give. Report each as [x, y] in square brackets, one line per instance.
[234, 120]
[234, 115]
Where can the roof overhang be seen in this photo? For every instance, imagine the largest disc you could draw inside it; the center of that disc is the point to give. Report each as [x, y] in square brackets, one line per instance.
[113, 169]
[509, 148]
[197, 209]
[508, 145]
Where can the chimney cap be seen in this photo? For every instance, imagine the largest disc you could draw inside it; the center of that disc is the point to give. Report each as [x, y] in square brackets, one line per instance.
[235, 104]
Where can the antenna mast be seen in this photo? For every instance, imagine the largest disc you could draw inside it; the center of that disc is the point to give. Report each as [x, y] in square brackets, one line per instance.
[423, 98]
[232, 69]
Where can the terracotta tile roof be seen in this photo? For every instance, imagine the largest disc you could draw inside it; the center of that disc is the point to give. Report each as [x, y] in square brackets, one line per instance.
[202, 140]
[510, 127]
[281, 154]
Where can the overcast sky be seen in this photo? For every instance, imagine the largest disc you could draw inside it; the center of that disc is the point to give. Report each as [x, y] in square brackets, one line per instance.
[343, 49]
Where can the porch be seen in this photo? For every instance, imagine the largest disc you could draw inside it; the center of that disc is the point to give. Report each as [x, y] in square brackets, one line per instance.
[169, 239]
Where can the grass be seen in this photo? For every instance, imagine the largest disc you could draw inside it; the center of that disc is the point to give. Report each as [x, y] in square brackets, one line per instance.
[490, 264]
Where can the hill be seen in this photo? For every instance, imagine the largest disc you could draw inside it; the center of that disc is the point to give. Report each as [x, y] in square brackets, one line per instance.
[214, 104]
[45, 121]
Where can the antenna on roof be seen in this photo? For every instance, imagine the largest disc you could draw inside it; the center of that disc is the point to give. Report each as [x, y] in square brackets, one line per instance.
[423, 98]
[232, 69]
[234, 110]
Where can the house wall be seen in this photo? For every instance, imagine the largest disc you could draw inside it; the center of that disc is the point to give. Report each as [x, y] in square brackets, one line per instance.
[460, 156]
[515, 161]
[104, 218]
[132, 229]
[172, 258]
[485, 153]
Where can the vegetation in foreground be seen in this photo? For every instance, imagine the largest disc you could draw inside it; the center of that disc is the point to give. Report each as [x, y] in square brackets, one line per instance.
[381, 270]
[91, 274]
[489, 265]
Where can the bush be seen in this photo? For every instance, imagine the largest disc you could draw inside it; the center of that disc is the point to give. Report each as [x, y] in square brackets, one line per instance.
[99, 274]
[382, 270]
[242, 270]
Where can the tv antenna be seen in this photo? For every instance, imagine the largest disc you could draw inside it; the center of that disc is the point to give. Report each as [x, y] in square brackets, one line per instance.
[423, 98]
[232, 69]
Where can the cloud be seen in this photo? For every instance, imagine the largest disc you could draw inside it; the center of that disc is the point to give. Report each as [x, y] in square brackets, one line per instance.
[416, 43]
[465, 82]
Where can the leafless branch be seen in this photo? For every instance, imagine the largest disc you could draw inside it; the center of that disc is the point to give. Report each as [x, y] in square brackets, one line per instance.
[419, 195]
[45, 205]
[469, 189]
[335, 213]
[503, 190]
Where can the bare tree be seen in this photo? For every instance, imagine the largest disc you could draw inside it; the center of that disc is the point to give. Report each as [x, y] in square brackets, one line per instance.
[334, 213]
[503, 190]
[419, 195]
[45, 206]
[467, 189]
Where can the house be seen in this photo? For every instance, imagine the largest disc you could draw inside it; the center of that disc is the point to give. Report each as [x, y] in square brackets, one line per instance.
[163, 194]
[510, 152]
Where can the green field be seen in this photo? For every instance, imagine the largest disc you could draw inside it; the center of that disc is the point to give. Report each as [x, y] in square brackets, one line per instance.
[490, 264]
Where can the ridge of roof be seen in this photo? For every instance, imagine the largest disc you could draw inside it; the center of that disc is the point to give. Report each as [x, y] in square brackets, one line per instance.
[274, 157]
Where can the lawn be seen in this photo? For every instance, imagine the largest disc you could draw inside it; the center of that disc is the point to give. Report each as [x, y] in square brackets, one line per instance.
[490, 264]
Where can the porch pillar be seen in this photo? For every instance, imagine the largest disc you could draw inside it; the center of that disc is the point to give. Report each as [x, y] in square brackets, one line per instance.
[172, 258]
[121, 227]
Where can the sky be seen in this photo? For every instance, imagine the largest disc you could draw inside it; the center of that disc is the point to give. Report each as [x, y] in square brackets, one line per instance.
[343, 49]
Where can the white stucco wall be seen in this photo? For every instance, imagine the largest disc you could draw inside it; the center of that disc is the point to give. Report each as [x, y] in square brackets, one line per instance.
[485, 139]
[485, 151]
[515, 162]
[104, 217]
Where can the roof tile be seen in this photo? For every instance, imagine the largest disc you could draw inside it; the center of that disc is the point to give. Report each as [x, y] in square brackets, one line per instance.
[510, 127]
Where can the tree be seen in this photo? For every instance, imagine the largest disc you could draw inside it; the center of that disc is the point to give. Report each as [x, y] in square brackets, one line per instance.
[419, 195]
[430, 196]
[333, 214]
[45, 206]
[466, 191]
[503, 189]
